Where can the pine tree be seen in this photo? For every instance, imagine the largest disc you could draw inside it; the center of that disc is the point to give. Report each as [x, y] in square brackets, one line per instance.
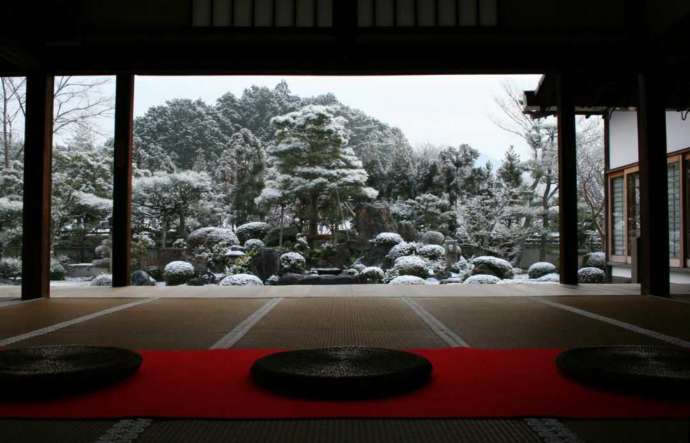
[313, 164]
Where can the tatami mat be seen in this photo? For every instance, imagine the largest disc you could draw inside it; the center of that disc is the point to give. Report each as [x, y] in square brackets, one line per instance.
[317, 322]
[509, 322]
[161, 324]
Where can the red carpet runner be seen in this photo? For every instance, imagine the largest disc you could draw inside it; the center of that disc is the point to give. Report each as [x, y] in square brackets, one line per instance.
[466, 383]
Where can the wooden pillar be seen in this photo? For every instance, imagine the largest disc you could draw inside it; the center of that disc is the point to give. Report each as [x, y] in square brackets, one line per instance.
[38, 147]
[607, 210]
[651, 128]
[122, 180]
[567, 181]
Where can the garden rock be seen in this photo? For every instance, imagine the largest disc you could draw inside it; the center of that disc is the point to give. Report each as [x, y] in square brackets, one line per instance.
[433, 238]
[252, 230]
[407, 280]
[549, 278]
[292, 262]
[482, 279]
[102, 280]
[142, 278]
[595, 260]
[241, 280]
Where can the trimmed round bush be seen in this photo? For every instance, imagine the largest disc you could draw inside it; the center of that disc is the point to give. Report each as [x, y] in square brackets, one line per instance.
[432, 252]
[57, 271]
[407, 280]
[102, 280]
[252, 230]
[591, 275]
[550, 278]
[372, 275]
[411, 265]
[540, 269]
[254, 244]
[401, 250]
[433, 238]
[10, 268]
[292, 262]
[482, 279]
[210, 236]
[492, 266]
[177, 273]
[241, 280]
[387, 239]
[595, 260]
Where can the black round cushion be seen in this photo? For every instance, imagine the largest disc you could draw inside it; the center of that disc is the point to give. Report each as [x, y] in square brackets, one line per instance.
[655, 370]
[342, 373]
[49, 371]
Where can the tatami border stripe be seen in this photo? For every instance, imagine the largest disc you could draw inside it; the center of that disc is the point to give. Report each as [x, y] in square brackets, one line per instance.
[621, 324]
[446, 334]
[8, 303]
[232, 337]
[125, 431]
[551, 430]
[74, 321]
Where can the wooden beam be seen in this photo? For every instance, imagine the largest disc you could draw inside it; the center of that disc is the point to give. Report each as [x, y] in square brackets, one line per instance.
[651, 127]
[567, 181]
[122, 180]
[38, 146]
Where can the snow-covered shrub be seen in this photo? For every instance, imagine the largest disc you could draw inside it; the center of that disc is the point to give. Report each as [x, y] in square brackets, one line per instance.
[252, 230]
[102, 280]
[142, 278]
[352, 272]
[180, 243]
[591, 275]
[387, 240]
[178, 272]
[433, 238]
[482, 279]
[358, 266]
[292, 262]
[210, 236]
[539, 269]
[550, 278]
[492, 266]
[411, 265]
[432, 252]
[372, 274]
[241, 280]
[10, 268]
[462, 266]
[272, 280]
[401, 250]
[407, 280]
[253, 245]
[595, 260]
[57, 271]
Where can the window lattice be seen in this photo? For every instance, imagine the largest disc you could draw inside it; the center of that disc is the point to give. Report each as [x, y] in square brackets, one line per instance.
[617, 216]
[674, 211]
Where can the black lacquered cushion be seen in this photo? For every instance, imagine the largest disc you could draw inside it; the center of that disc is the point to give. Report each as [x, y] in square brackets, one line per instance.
[342, 373]
[49, 371]
[656, 370]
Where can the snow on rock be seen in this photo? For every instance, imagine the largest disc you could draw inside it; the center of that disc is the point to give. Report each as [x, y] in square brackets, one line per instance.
[292, 262]
[372, 274]
[102, 280]
[407, 280]
[252, 230]
[540, 269]
[177, 272]
[492, 266]
[241, 280]
[482, 279]
[411, 265]
[550, 278]
[401, 250]
[432, 252]
[591, 275]
[253, 244]
[433, 238]
[595, 260]
[387, 239]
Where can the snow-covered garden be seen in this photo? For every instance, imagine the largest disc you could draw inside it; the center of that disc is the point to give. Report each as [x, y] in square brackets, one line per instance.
[269, 188]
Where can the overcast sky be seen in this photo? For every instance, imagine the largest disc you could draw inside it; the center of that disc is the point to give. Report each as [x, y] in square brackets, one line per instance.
[443, 110]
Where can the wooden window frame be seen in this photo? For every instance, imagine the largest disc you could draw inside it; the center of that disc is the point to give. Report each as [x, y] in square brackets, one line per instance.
[611, 177]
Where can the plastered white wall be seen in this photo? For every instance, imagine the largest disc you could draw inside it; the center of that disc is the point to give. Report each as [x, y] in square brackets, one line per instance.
[623, 136]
